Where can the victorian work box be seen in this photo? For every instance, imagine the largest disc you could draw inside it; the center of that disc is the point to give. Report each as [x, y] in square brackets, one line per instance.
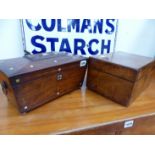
[36, 79]
[120, 76]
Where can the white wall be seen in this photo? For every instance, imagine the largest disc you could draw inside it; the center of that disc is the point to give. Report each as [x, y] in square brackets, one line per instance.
[10, 39]
[134, 36]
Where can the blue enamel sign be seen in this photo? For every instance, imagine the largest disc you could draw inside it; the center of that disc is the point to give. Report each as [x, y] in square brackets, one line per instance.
[77, 36]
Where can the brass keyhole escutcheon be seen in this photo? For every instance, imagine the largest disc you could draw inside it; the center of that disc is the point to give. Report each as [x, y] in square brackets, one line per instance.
[59, 77]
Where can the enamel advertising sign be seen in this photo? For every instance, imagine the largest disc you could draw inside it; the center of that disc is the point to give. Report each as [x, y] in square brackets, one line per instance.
[87, 37]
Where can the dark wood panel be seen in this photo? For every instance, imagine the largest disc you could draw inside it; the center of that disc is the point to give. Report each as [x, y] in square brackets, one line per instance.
[72, 79]
[45, 72]
[110, 86]
[109, 129]
[141, 125]
[36, 92]
[113, 69]
[127, 60]
[117, 79]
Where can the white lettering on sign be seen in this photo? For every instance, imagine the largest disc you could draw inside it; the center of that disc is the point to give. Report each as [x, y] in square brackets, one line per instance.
[128, 124]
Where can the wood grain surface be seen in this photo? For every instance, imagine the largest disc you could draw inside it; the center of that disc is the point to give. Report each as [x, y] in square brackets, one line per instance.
[81, 110]
[33, 81]
[120, 77]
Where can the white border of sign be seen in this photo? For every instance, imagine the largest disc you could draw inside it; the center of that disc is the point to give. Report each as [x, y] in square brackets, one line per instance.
[25, 43]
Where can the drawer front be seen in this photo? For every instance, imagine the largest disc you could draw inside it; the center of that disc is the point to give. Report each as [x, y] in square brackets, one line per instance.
[114, 88]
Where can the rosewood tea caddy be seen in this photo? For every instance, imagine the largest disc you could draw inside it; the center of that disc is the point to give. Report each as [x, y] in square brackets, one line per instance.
[34, 80]
[121, 77]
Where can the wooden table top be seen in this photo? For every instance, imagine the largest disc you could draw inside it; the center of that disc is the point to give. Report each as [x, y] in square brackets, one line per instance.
[77, 110]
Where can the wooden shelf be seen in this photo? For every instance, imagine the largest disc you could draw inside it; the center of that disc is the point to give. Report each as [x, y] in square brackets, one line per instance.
[81, 112]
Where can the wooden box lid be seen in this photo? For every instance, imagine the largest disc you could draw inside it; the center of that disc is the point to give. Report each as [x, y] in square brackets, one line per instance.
[23, 65]
[128, 60]
[125, 65]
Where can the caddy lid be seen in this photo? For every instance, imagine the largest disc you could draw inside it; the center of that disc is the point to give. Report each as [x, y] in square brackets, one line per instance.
[32, 63]
[128, 60]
